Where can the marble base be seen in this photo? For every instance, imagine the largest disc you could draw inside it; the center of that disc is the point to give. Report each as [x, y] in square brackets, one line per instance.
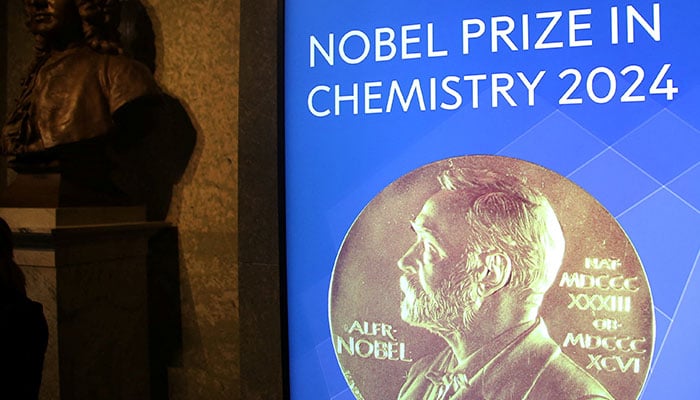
[91, 278]
[43, 220]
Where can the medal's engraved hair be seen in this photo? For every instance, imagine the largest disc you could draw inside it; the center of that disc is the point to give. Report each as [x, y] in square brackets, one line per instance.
[502, 213]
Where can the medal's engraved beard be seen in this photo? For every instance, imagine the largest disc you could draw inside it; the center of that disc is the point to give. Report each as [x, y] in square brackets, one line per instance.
[452, 307]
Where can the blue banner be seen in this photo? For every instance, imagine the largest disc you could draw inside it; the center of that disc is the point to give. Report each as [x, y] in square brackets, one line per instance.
[603, 93]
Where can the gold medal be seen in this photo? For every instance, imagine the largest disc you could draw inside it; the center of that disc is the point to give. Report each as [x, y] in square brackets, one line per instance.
[485, 277]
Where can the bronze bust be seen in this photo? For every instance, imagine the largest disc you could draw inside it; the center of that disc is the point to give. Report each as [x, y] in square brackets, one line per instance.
[91, 126]
[79, 81]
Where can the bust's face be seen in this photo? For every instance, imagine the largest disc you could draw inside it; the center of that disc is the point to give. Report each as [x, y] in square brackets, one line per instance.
[52, 17]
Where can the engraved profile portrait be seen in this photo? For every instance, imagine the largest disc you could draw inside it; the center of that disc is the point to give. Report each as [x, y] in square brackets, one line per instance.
[503, 281]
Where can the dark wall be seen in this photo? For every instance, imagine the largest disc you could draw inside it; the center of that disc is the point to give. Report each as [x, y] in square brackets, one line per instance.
[3, 56]
[3, 80]
[197, 44]
[19, 53]
[226, 206]
[259, 251]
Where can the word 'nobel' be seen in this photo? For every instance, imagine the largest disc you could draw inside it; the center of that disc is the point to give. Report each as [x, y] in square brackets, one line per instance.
[385, 348]
[415, 40]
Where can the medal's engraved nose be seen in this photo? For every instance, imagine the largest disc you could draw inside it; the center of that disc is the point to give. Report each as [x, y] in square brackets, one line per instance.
[409, 262]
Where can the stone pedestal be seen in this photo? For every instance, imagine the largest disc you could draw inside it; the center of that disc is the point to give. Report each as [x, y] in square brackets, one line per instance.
[88, 267]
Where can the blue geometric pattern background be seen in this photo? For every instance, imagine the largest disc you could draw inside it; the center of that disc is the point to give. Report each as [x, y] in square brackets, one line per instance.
[649, 182]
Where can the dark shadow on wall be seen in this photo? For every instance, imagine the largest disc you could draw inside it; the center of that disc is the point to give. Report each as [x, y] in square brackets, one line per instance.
[164, 315]
[165, 152]
[166, 155]
[3, 56]
[186, 311]
[3, 82]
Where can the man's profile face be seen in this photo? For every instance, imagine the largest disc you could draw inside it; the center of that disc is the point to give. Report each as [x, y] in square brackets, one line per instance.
[437, 288]
[51, 16]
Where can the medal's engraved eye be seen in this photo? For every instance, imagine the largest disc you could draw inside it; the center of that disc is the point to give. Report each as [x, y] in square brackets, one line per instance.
[432, 253]
[426, 249]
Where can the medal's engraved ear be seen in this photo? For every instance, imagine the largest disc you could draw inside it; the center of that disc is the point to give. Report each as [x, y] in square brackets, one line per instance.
[495, 273]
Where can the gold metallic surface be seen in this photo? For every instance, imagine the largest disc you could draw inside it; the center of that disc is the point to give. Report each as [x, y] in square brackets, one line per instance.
[598, 310]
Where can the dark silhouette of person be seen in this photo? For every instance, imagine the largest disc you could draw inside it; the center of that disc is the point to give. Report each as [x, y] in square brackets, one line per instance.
[23, 330]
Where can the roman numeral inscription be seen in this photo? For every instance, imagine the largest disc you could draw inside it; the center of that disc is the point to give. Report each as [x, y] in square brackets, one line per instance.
[605, 291]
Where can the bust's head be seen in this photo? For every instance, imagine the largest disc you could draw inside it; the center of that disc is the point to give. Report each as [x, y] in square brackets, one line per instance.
[52, 17]
[57, 24]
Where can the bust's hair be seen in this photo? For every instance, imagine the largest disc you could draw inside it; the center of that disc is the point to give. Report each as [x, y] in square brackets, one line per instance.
[502, 213]
[100, 26]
